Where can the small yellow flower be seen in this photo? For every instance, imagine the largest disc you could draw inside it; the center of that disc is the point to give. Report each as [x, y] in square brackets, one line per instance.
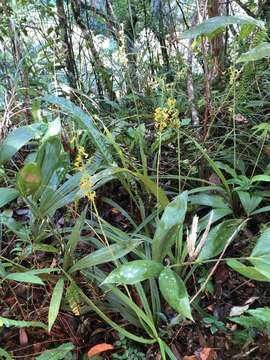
[86, 185]
[171, 103]
[167, 117]
[81, 157]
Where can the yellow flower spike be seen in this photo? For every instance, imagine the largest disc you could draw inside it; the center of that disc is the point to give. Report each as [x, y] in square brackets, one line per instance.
[167, 117]
[171, 103]
[86, 185]
[91, 196]
[79, 162]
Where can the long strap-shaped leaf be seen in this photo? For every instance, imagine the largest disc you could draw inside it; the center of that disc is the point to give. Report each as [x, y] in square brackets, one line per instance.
[210, 25]
[18, 138]
[55, 303]
[85, 121]
[117, 327]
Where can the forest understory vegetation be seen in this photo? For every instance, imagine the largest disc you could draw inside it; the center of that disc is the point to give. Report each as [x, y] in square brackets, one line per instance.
[134, 179]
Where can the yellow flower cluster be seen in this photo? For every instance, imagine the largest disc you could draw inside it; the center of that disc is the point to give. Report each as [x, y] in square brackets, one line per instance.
[81, 157]
[86, 185]
[167, 117]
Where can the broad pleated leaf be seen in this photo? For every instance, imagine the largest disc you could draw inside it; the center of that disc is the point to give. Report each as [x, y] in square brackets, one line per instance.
[248, 271]
[18, 138]
[262, 177]
[213, 201]
[174, 292]
[134, 272]
[55, 303]
[257, 53]
[25, 277]
[73, 240]
[86, 122]
[173, 216]
[7, 195]
[249, 201]
[104, 255]
[262, 248]
[218, 22]
[218, 238]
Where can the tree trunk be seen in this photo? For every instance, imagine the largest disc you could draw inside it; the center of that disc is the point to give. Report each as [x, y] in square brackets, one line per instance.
[104, 79]
[19, 62]
[66, 41]
[217, 43]
[130, 37]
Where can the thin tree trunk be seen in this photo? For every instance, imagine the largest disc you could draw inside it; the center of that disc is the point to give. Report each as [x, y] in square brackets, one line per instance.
[190, 84]
[130, 37]
[70, 63]
[19, 63]
[217, 42]
[101, 71]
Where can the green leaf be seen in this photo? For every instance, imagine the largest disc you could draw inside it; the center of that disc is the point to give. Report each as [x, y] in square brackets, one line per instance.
[51, 161]
[44, 248]
[58, 353]
[261, 210]
[5, 355]
[104, 255]
[29, 179]
[211, 162]
[213, 24]
[7, 195]
[262, 248]
[214, 201]
[247, 271]
[85, 121]
[262, 314]
[173, 216]
[18, 323]
[134, 272]
[216, 215]
[249, 201]
[25, 277]
[153, 188]
[13, 225]
[248, 321]
[259, 52]
[18, 138]
[174, 292]
[218, 238]
[73, 298]
[2, 270]
[55, 302]
[256, 318]
[265, 178]
[73, 240]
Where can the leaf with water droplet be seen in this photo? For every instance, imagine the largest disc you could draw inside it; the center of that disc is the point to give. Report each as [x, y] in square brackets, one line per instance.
[134, 272]
[174, 292]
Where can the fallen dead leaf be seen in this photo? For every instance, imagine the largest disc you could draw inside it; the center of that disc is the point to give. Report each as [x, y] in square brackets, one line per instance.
[238, 310]
[251, 300]
[208, 354]
[99, 348]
